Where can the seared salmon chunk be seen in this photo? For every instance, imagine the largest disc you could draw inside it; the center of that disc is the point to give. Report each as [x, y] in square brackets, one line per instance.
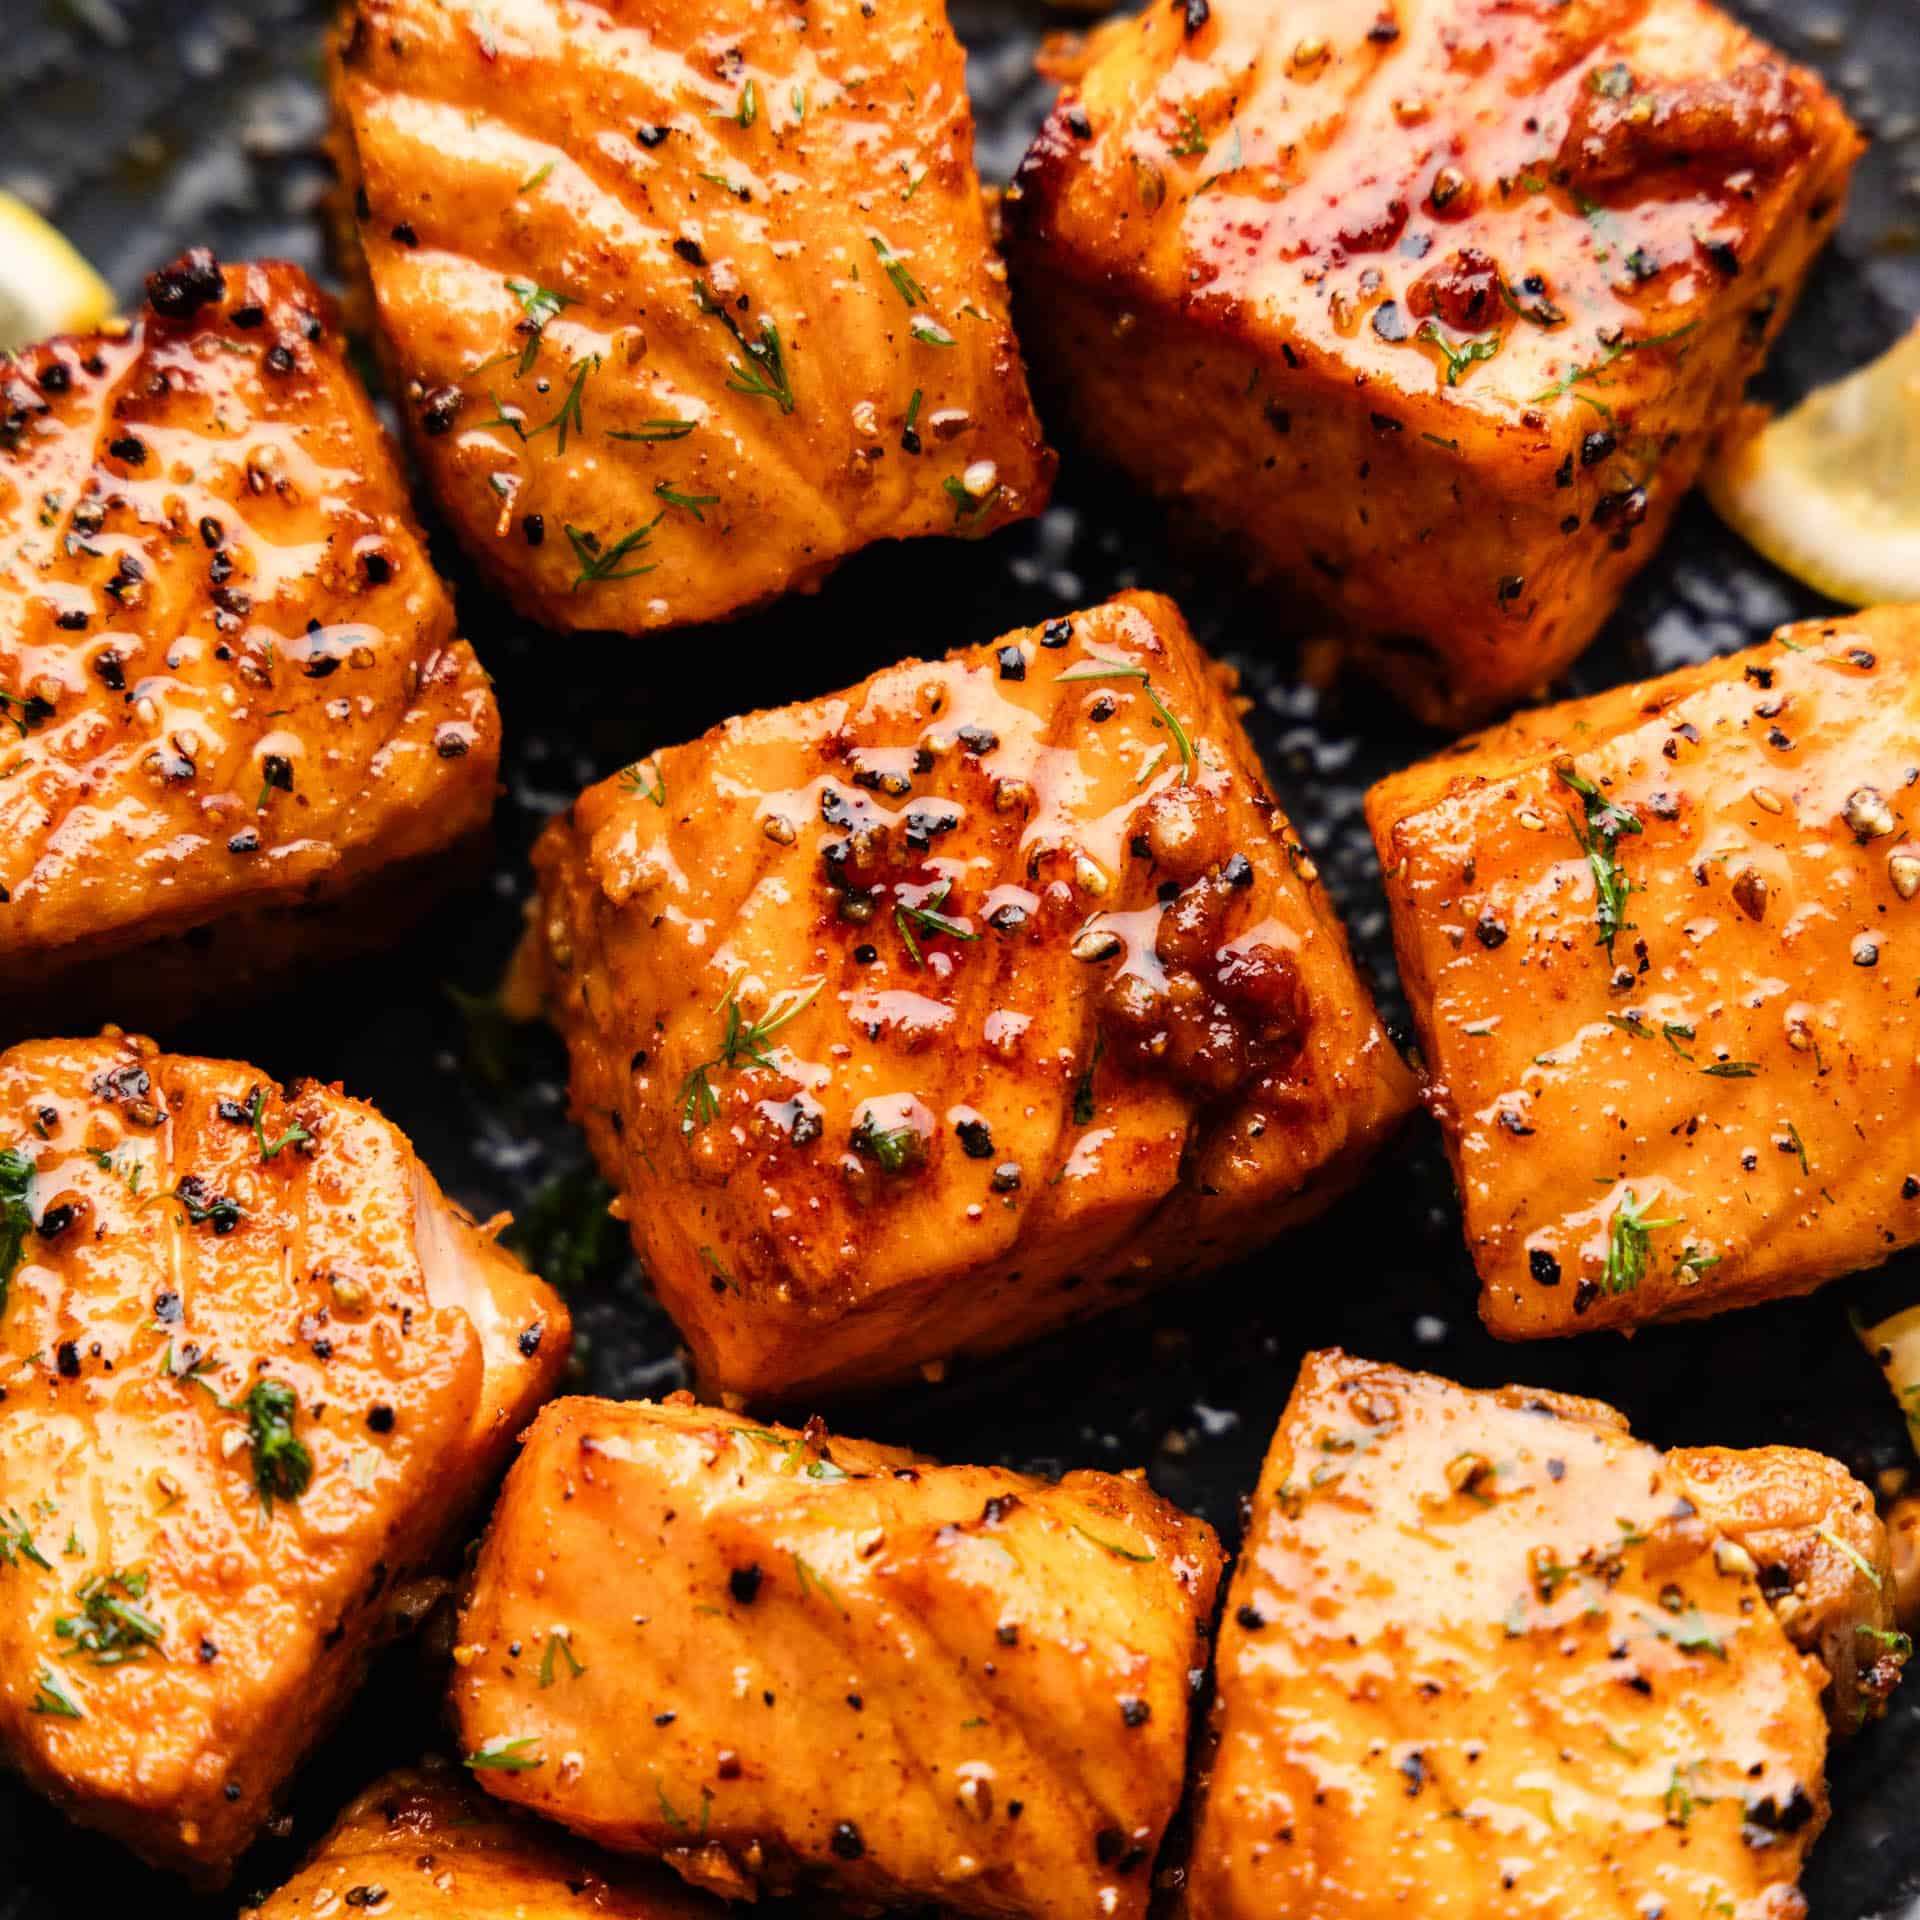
[780, 1660]
[1429, 308]
[1486, 1653]
[916, 1020]
[230, 685]
[422, 1845]
[684, 304]
[1655, 943]
[253, 1369]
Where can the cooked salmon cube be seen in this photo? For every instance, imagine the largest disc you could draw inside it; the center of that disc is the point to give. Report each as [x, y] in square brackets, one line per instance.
[254, 1367]
[916, 1020]
[1654, 942]
[779, 1659]
[684, 305]
[229, 679]
[1428, 311]
[1485, 1652]
[422, 1845]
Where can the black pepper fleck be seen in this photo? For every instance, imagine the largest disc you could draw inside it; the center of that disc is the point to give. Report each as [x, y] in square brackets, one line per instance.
[178, 292]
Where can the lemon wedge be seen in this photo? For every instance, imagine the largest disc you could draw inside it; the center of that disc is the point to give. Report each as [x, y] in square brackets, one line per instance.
[1895, 1344]
[45, 286]
[1830, 492]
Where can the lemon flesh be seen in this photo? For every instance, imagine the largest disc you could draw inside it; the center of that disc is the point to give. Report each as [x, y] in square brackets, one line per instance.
[1895, 1344]
[45, 286]
[1830, 492]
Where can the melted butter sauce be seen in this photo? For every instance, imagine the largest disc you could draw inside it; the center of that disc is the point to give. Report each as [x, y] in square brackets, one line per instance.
[1078, 800]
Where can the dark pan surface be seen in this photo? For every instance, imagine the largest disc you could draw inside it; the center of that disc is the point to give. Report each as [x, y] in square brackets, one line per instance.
[144, 126]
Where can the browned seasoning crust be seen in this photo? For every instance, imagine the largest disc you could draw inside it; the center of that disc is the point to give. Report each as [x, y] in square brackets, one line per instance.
[425, 1844]
[254, 1369]
[1486, 1653]
[918, 1019]
[684, 305]
[1430, 311]
[1655, 943]
[781, 1659]
[229, 679]
[1823, 1557]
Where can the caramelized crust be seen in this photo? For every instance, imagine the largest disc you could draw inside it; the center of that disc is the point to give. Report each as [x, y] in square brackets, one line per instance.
[1429, 307]
[435, 1848]
[253, 1369]
[779, 1660]
[1486, 1653]
[684, 304]
[1823, 1557]
[228, 671]
[1704, 1109]
[915, 1020]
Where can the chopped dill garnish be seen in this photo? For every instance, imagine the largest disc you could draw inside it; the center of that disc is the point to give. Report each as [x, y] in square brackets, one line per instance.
[742, 1043]
[928, 920]
[561, 1641]
[1599, 835]
[688, 502]
[635, 779]
[1458, 359]
[762, 368]
[111, 1627]
[53, 1696]
[909, 289]
[16, 1543]
[256, 1112]
[1629, 1240]
[650, 430]
[1115, 671]
[1192, 142]
[1591, 375]
[968, 509]
[571, 413]
[598, 563]
[16, 1222]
